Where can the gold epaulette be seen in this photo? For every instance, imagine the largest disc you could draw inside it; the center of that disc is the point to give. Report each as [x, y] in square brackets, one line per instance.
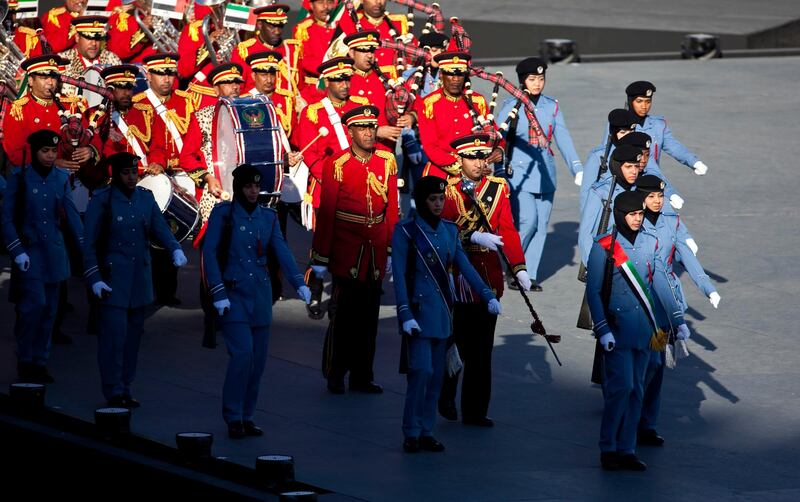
[301, 30]
[284, 92]
[453, 169]
[428, 102]
[16, 108]
[183, 94]
[338, 164]
[360, 100]
[194, 30]
[52, 16]
[403, 20]
[312, 112]
[77, 101]
[122, 21]
[27, 31]
[389, 70]
[292, 41]
[497, 179]
[391, 162]
[31, 39]
[139, 97]
[145, 107]
[480, 103]
[244, 46]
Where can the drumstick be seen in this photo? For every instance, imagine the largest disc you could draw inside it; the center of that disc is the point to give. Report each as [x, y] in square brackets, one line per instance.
[323, 131]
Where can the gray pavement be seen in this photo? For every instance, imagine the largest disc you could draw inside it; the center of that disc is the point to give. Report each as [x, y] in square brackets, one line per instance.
[730, 412]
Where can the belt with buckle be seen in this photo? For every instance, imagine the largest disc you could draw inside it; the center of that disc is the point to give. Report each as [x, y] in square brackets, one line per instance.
[359, 218]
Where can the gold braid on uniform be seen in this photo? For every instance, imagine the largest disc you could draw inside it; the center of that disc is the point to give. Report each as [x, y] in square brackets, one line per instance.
[429, 102]
[147, 111]
[16, 108]
[338, 165]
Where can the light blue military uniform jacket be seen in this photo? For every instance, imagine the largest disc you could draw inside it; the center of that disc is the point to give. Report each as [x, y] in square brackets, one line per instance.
[245, 280]
[672, 235]
[117, 244]
[535, 168]
[426, 305]
[592, 211]
[626, 318]
[663, 141]
[48, 200]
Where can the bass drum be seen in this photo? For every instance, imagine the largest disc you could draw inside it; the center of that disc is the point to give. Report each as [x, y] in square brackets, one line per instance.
[179, 207]
[246, 130]
[92, 76]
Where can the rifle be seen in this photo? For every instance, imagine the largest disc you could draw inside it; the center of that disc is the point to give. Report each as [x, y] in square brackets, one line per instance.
[510, 125]
[598, 365]
[600, 173]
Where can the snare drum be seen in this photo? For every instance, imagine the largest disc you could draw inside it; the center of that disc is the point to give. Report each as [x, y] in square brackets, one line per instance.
[180, 208]
[246, 130]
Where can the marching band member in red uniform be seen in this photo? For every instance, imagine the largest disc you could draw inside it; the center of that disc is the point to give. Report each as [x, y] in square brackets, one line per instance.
[372, 16]
[56, 24]
[195, 61]
[268, 37]
[473, 324]
[357, 214]
[25, 37]
[125, 37]
[264, 67]
[314, 35]
[444, 115]
[90, 32]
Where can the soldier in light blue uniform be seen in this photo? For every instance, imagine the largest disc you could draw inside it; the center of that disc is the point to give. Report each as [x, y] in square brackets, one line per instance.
[640, 99]
[38, 199]
[120, 219]
[674, 244]
[626, 277]
[533, 179]
[424, 296]
[235, 246]
[624, 166]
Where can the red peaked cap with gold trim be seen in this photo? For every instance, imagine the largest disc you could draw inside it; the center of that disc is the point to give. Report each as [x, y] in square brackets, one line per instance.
[44, 65]
[123, 75]
[273, 14]
[336, 68]
[453, 62]
[162, 63]
[363, 116]
[225, 74]
[472, 146]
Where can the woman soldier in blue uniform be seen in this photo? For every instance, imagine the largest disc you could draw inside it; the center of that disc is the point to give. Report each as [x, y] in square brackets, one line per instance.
[120, 219]
[235, 248]
[37, 200]
[424, 248]
[675, 243]
[626, 276]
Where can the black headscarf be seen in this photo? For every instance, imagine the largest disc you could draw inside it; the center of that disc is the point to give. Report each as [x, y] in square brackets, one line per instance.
[624, 203]
[38, 140]
[117, 163]
[647, 184]
[423, 188]
[621, 155]
[243, 175]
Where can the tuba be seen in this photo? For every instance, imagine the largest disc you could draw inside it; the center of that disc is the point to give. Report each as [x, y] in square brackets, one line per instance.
[11, 57]
[163, 33]
[225, 43]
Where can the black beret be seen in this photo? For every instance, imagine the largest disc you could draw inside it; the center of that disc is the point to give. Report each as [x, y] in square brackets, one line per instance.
[627, 153]
[622, 119]
[428, 185]
[42, 138]
[628, 202]
[636, 138]
[122, 160]
[246, 173]
[650, 183]
[532, 65]
[433, 39]
[640, 88]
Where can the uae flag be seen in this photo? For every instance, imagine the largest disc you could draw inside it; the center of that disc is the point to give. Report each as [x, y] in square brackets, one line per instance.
[239, 17]
[172, 9]
[28, 9]
[97, 7]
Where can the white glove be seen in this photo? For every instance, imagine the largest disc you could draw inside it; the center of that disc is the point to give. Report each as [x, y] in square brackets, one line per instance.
[410, 326]
[692, 245]
[524, 280]
[307, 214]
[676, 201]
[178, 258]
[23, 261]
[699, 168]
[99, 287]
[494, 307]
[304, 293]
[714, 298]
[579, 178]
[320, 271]
[487, 240]
[608, 342]
[388, 265]
[222, 306]
[683, 332]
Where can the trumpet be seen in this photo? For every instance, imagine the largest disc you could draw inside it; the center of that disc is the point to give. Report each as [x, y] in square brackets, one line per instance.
[163, 34]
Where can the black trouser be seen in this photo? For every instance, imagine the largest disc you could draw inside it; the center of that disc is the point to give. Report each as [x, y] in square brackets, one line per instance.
[165, 274]
[353, 327]
[473, 329]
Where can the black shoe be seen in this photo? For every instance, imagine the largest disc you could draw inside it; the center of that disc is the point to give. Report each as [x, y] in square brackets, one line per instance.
[117, 402]
[512, 283]
[649, 437]
[447, 409]
[479, 421]
[315, 310]
[367, 387]
[609, 461]
[130, 402]
[171, 301]
[68, 307]
[59, 338]
[25, 372]
[336, 386]
[535, 287]
[411, 445]
[631, 462]
[39, 374]
[252, 429]
[236, 430]
[429, 443]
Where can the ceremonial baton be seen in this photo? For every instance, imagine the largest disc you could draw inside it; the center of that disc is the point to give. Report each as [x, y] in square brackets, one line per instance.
[468, 187]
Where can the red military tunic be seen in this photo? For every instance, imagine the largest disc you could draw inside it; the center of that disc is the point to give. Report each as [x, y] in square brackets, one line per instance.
[191, 47]
[357, 214]
[369, 86]
[126, 40]
[28, 115]
[494, 195]
[441, 119]
[288, 74]
[179, 108]
[57, 28]
[311, 120]
[399, 22]
[314, 38]
[28, 41]
[147, 134]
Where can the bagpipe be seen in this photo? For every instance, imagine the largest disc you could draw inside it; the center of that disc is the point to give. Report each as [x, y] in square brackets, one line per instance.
[435, 18]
